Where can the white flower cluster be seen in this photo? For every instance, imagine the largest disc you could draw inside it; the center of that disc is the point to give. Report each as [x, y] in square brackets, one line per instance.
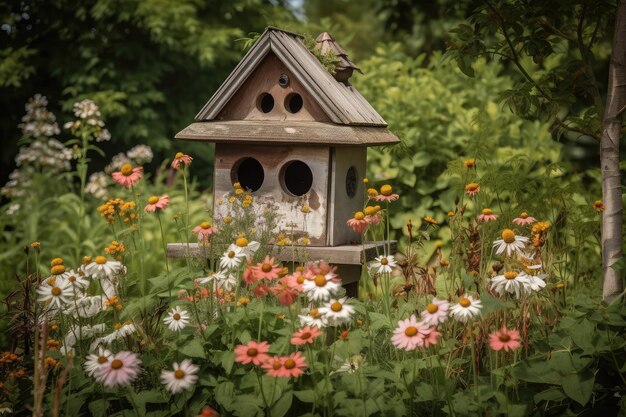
[38, 121]
[97, 185]
[87, 114]
[140, 154]
[49, 154]
[16, 186]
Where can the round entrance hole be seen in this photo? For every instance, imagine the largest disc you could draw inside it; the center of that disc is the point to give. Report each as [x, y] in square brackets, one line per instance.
[265, 102]
[296, 178]
[293, 102]
[351, 185]
[248, 172]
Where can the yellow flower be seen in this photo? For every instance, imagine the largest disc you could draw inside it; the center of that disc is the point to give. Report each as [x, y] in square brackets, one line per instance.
[243, 301]
[386, 190]
[305, 209]
[598, 206]
[372, 192]
[430, 220]
[239, 191]
[35, 245]
[228, 219]
[365, 181]
[439, 245]
[470, 163]
[370, 211]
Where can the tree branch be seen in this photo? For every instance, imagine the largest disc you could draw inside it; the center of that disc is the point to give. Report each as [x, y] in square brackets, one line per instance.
[576, 129]
[593, 89]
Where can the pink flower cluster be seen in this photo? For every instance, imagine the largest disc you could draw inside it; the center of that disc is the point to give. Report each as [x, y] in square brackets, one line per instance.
[292, 365]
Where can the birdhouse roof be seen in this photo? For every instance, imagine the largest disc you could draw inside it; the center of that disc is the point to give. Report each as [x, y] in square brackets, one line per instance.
[342, 103]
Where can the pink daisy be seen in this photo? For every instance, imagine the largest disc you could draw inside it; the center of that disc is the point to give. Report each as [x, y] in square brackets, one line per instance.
[121, 369]
[266, 269]
[286, 366]
[252, 352]
[410, 334]
[287, 290]
[305, 335]
[155, 203]
[359, 223]
[204, 231]
[486, 216]
[524, 219]
[504, 339]
[432, 337]
[436, 312]
[472, 189]
[127, 175]
[181, 158]
[386, 194]
[261, 291]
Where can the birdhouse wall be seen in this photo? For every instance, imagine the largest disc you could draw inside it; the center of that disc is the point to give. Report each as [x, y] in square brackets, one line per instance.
[281, 169]
[251, 101]
[346, 192]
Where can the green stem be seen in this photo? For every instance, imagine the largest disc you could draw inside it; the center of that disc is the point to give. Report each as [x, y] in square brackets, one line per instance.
[167, 264]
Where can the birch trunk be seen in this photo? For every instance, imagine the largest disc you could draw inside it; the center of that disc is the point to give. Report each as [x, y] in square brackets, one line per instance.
[609, 159]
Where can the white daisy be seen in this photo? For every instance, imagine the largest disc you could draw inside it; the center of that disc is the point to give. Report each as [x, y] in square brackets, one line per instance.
[57, 293]
[220, 279]
[314, 318]
[537, 282]
[510, 242]
[77, 281]
[436, 312]
[513, 282]
[351, 365]
[466, 308]
[383, 264]
[183, 377]
[101, 267]
[121, 332]
[177, 319]
[95, 360]
[247, 248]
[232, 257]
[337, 312]
[321, 288]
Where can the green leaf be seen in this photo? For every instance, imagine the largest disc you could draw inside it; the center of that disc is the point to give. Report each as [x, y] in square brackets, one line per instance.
[379, 321]
[228, 360]
[99, 407]
[306, 396]
[579, 386]
[193, 349]
[144, 397]
[551, 394]
[281, 407]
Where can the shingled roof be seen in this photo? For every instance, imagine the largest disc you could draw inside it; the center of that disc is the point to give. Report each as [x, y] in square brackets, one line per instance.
[341, 102]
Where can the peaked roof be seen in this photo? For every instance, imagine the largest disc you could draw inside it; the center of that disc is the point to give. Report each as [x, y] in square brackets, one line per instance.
[342, 103]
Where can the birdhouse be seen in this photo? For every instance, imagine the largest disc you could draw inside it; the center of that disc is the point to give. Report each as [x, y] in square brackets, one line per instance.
[294, 134]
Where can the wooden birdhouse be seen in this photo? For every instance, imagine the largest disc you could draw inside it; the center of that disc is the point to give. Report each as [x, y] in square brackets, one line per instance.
[294, 134]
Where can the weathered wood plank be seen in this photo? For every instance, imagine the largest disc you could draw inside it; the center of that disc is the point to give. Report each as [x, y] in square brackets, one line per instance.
[339, 255]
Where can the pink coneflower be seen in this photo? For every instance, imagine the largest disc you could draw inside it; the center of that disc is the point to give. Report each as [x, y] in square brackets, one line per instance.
[121, 369]
[386, 194]
[181, 158]
[524, 219]
[504, 339]
[253, 352]
[286, 366]
[266, 269]
[305, 335]
[287, 290]
[410, 334]
[209, 412]
[204, 231]
[261, 291]
[436, 312]
[321, 268]
[486, 216]
[358, 223]
[472, 189]
[432, 337]
[128, 176]
[296, 280]
[157, 203]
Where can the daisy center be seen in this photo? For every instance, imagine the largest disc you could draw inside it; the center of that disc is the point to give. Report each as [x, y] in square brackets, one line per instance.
[472, 186]
[276, 365]
[508, 236]
[504, 338]
[315, 313]
[179, 155]
[101, 260]
[369, 210]
[266, 267]
[116, 364]
[386, 190]
[465, 302]
[72, 279]
[487, 212]
[231, 254]
[126, 170]
[410, 331]
[523, 215]
[176, 316]
[179, 374]
[242, 242]
[320, 280]
[205, 225]
[300, 279]
[56, 291]
[384, 261]
[290, 364]
[153, 200]
[305, 335]
[432, 308]
[57, 269]
[510, 275]
[359, 215]
[51, 281]
[252, 352]
[336, 306]
[56, 261]
[102, 359]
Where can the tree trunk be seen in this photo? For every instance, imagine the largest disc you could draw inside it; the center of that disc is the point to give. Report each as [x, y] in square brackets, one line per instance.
[609, 159]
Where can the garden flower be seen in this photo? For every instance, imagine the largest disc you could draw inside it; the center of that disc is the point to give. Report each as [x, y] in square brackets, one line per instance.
[121, 369]
[232, 257]
[181, 158]
[466, 308]
[510, 242]
[351, 365]
[177, 319]
[157, 203]
[432, 337]
[537, 282]
[76, 281]
[209, 412]
[217, 279]
[95, 361]
[472, 189]
[410, 334]
[386, 194]
[121, 331]
[287, 290]
[430, 220]
[470, 163]
[383, 264]
[314, 318]
[486, 216]
[248, 248]
[102, 268]
[513, 282]
[286, 366]
[321, 288]
[56, 294]
[253, 352]
[504, 339]
[524, 219]
[337, 312]
[128, 176]
[436, 312]
[266, 269]
[373, 214]
[598, 206]
[305, 335]
[358, 223]
[183, 377]
[204, 230]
